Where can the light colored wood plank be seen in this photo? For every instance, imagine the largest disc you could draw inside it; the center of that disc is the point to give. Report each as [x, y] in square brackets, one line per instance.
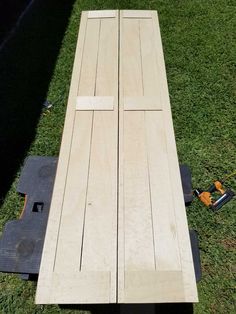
[79, 262]
[170, 279]
[69, 247]
[100, 233]
[87, 81]
[70, 280]
[151, 70]
[189, 282]
[136, 14]
[121, 204]
[69, 287]
[102, 14]
[141, 103]
[139, 252]
[138, 246]
[135, 234]
[153, 287]
[180, 212]
[50, 243]
[163, 208]
[85, 103]
[132, 76]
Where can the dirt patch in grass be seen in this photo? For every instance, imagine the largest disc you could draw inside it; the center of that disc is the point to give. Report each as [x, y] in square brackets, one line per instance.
[229, 244]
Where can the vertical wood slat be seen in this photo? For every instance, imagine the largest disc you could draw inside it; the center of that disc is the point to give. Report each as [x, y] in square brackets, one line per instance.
[121, 203]
[50, 242]
[69, 247]
[100, 234]
[138, 229]
[163, 208]
[138, 248]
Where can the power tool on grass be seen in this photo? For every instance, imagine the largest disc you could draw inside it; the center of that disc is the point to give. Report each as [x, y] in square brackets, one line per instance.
[206, 197]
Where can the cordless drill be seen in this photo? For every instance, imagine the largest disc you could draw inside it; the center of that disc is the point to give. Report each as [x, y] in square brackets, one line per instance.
[206, 197]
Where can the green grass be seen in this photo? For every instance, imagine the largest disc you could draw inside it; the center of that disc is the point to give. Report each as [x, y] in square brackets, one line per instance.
[200, 54]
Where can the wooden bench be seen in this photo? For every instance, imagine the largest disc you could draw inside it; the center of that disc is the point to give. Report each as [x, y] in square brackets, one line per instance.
[117, 229]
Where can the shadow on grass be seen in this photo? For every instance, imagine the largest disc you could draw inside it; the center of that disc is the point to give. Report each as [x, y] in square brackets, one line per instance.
[10, 11]
[167, 308]
[26, 67]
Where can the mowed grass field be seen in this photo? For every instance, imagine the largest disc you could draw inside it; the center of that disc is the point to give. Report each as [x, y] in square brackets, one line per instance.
[199, 39]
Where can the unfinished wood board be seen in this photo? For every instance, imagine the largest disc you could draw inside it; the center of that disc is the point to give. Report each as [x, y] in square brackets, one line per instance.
[154, 254]
[141, 103]
[102, 14]
[117, 229]
[94, 103]
[79, 262]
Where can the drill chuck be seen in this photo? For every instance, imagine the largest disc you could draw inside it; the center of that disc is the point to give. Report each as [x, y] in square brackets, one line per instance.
[197, 192]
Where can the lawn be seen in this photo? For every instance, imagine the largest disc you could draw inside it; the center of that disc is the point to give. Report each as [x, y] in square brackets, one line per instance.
[199, 39]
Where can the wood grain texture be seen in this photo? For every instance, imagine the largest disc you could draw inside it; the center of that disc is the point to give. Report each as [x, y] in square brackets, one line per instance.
[70, 287]
[163, 208]
[102, 14]
[153, 286]
[100, 230]
[136, 14]
[83, 254]
[190, 289]
[86, 103]
[50, 242]
[153, 262]
[142, 103]
[69, 247]
[117, 230]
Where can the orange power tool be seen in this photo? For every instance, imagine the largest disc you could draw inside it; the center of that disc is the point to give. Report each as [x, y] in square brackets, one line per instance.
[207, 199]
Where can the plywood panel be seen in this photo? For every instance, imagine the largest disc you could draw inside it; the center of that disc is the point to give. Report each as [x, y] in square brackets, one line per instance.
[117, 230]
[84, 255]
[149, 215]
